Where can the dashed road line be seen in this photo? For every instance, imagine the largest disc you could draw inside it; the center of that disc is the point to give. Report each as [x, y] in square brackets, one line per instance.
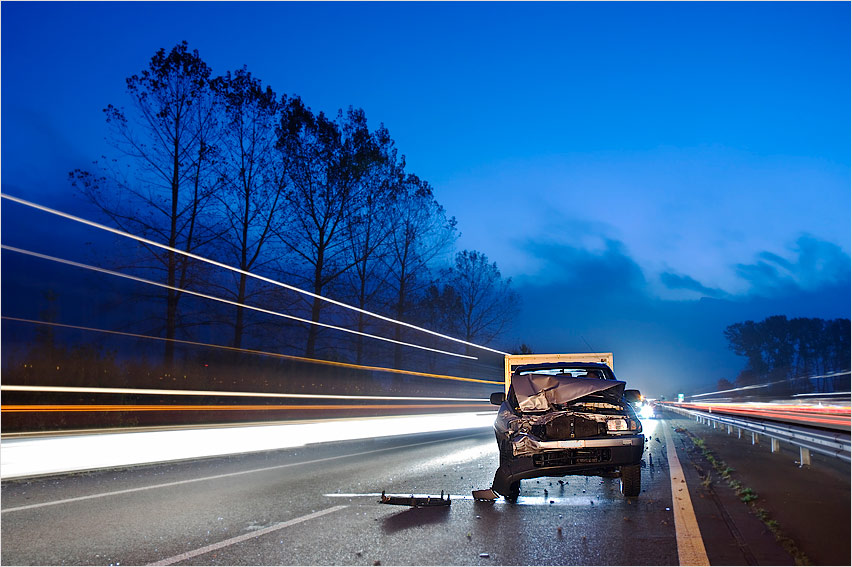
[690, 545]
[244, 537]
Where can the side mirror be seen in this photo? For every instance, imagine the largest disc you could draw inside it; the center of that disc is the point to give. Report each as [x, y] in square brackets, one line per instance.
[497, 398]
[633, 396]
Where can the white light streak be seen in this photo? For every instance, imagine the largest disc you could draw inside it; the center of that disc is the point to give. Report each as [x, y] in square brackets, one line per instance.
[226, 301]
[823, 394]
[67, 453]
[239, 271]
[158, 392]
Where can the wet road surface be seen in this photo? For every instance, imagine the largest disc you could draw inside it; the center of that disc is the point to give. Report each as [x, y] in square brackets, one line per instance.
[318, 505]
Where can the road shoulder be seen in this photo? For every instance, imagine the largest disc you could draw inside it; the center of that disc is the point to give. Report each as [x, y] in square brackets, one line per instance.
[732, 534]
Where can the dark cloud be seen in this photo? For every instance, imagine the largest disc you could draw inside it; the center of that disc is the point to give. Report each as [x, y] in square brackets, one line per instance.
[676, 281]
[600, 300]
[587, 272]
[771, 258]
[818, 263]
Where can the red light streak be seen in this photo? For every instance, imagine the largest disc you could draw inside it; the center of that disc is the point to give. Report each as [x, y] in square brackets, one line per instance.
[781, 412]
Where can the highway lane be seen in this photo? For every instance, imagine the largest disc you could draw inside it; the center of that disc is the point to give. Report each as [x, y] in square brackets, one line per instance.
[318, 505]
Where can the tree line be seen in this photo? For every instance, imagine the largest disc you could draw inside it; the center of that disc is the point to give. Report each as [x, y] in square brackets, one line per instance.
[799, 354]
[225, 168]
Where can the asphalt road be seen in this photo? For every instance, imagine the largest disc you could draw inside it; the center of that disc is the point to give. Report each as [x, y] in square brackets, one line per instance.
[318, 505]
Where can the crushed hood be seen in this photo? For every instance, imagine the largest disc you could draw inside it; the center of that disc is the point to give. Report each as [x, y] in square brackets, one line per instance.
[538, 392]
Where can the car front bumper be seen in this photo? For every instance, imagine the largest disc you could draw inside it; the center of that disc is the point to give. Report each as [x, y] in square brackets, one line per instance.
[574, 456]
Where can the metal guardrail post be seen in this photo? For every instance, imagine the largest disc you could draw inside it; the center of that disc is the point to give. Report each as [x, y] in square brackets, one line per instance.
[832, 443]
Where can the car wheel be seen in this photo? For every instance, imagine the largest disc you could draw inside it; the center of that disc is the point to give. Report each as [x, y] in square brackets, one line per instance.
[631, 480]
[514, 491]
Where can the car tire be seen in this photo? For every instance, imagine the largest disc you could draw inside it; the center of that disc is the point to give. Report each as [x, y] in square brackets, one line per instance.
[631, 480]
[514, 491]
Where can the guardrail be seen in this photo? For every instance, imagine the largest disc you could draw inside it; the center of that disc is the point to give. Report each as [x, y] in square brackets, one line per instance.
[807, 439]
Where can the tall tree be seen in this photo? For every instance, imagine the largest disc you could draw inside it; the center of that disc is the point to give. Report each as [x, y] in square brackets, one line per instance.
[168, 138]
[370, 230]
[329, 161]
[792, 350]
[487, 301]
[745, 340]
[422, 234]
[252, 176]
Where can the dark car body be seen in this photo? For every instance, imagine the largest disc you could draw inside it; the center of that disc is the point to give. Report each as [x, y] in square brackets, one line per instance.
[567, 418]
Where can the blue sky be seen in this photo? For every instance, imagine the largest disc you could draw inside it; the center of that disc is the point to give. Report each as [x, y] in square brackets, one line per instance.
[704, 147]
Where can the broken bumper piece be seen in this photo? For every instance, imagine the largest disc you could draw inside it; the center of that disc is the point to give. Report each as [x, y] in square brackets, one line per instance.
[587, 456]
[486, 495]
[416, 501]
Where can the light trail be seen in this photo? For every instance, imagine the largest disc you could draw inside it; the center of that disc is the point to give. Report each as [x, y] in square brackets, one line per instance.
[758, 386]
[53, 408]
[237, 270]
[95, 449]
[823, 394]
[220, 393]
[225, 301]
[259, 352]
[827, 415]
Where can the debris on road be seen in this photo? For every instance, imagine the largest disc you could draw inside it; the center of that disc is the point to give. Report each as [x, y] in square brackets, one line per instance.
[487, 495]
[416, 501]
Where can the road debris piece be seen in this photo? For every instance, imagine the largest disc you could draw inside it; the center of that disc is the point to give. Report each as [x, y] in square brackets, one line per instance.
[484, 495]
[484, 555]
[416, 501]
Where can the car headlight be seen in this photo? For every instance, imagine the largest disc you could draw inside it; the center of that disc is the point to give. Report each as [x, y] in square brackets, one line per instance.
[622, 424]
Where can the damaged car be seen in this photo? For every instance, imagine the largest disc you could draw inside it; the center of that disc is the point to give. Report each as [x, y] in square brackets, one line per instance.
[567, 418]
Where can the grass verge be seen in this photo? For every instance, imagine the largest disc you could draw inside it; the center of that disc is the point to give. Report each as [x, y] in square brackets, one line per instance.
[748, 496]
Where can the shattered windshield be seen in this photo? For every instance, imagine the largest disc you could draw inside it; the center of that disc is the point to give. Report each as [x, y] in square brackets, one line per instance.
[538, 391]
[586, 373]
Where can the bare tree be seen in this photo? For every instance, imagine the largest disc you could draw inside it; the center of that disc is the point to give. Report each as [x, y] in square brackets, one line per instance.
[329, 161]
[421, 234]
[487, 302]
[252, 176]
[168, 139]
[365, 282]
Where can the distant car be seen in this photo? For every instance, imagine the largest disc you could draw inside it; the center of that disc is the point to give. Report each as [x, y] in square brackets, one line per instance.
[567, 418]
[651, 410]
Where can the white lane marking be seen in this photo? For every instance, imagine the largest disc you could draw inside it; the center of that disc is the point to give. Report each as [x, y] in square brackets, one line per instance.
[218, 476]
[690, 545]
[244, 537]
